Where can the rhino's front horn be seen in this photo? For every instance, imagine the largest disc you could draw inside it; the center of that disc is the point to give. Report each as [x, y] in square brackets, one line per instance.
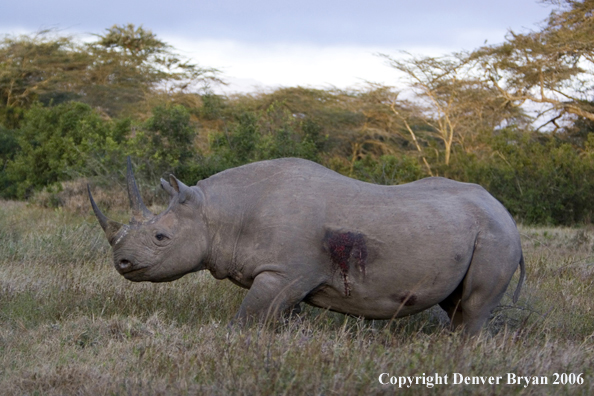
[110, 227]
[139, 211]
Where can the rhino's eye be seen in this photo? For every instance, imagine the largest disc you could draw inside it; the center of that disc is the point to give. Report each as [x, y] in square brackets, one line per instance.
[160, 237]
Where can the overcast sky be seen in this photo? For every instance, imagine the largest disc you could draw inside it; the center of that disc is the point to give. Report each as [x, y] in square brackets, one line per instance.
[270, 43]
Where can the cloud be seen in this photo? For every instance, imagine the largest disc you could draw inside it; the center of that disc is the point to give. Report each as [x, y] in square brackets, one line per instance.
[246, 65]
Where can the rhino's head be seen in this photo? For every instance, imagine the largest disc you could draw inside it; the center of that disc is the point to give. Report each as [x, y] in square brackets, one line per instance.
[158, 248]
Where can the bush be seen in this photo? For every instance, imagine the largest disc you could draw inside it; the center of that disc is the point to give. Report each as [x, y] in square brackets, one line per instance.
[388, 169]
[257, 136]
[55, 144]
[539, 178]
[542, 178]
[9, 146]
[164, 143]
[71, 140]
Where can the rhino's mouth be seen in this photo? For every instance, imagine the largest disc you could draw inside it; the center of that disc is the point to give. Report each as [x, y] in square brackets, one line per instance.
[133, 273]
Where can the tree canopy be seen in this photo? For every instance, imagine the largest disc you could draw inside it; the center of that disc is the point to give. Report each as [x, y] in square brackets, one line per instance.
[553, 67]
[117, 73]
[72, 109]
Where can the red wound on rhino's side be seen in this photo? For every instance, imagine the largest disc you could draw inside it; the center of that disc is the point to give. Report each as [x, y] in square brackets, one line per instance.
[343, 246]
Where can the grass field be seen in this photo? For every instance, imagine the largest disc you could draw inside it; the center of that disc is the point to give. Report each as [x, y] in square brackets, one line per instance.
[69, 324]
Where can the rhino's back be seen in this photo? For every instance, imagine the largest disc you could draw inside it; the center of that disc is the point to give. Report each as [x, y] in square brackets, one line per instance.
[297, 182]
[294, 201]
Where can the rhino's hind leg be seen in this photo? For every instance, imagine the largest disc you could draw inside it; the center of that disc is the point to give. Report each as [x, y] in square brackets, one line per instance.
[271, 296]
[470, 309]
[471, 313]
[481, 290]
[452, 307]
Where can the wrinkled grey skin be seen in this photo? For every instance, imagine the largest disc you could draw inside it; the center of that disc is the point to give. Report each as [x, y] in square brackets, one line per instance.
[291, 230]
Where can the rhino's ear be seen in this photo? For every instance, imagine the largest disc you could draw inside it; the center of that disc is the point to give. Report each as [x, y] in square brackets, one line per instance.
[167, 187]
[184, 192]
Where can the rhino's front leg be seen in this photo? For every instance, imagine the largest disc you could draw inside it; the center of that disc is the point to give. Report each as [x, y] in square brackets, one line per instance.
[271, 294]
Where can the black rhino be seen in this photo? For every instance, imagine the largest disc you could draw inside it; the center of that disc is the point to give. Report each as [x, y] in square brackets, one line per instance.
[290, 230]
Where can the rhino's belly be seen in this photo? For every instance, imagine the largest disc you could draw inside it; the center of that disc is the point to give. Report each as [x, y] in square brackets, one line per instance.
[376, 305]
[389, 294]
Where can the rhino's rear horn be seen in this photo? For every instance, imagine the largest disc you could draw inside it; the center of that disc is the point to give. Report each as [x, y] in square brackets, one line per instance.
[110, 227]
[167, 187]
[139, 210]
[183, 191]
[175, 187]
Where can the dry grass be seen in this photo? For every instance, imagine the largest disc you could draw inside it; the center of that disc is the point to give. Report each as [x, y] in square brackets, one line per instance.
[69, 324]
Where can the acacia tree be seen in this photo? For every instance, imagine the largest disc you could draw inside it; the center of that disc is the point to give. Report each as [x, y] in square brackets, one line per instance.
[455, 102]
[33, 66]
[397, 120]
[121, 70]
[553, 67]
[130, 64]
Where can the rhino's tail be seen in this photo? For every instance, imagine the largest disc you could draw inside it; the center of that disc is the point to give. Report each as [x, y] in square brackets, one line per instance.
[521, 281]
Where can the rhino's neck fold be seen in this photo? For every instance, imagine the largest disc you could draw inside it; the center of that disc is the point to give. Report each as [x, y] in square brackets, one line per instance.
[224, 229]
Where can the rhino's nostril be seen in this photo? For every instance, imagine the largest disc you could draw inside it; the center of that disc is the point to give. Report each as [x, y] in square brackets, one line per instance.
[124, 264]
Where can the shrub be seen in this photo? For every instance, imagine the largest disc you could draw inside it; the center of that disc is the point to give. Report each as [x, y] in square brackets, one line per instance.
[539, 178]
[164, 143]
[388, 169]
[55, 143]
